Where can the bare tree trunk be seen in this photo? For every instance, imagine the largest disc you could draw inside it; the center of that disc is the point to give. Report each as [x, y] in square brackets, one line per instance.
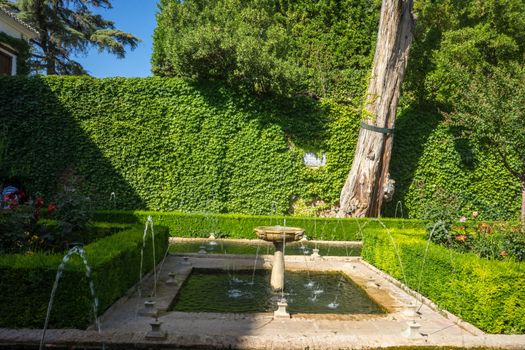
[362, 194]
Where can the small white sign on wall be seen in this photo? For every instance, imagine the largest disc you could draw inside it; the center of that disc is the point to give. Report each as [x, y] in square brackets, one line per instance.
[311, 160]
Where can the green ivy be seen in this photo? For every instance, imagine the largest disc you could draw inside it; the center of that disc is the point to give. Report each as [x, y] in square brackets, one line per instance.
[23, 49]
[165, 144]
[429, 160]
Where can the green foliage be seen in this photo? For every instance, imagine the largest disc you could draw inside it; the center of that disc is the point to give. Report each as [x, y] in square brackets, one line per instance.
[323, 47]
[27, 280]
[17, 228]
[73, 208]
[227, 40]
[457, 43]
[242, 226]
[166, 144]
[333, 41]
[70, 27]
[454, 40]
[489, 240]
[23, 52]
[428, 158]
[490, 113]
[488, 294]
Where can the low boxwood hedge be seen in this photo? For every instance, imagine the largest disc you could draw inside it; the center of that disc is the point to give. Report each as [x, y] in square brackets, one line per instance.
[27, 280]
[242, 226]
[488, 294]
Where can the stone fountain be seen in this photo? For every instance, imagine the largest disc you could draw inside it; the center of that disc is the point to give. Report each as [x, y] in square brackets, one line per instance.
[278, 235]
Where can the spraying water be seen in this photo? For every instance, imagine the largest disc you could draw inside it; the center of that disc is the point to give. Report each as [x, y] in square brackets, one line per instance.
[255, 264]
[399, 205]
[359, 234]
[113, 200]
[80, 252]
[162, 264]
[436, 225]
[315, 231]
[273, 210]
[284, 253]
[340, 223]
[395, 248]
[334, 305]
[149, 223]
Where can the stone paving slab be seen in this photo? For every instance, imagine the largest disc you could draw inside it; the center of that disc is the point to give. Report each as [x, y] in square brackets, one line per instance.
[123, 328]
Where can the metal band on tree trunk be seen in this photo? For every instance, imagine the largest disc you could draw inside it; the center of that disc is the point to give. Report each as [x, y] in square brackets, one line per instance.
[376, 128]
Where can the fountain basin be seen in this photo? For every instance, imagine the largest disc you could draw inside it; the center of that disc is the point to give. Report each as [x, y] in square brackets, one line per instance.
[279, 233]
[248, 291]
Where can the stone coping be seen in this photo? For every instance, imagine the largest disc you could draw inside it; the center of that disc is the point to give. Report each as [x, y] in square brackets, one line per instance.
[173, 240]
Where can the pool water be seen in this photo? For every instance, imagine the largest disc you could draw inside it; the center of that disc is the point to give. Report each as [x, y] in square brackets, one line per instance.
[247, 292]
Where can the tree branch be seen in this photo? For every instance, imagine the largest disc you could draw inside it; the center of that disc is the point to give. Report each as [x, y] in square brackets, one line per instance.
[507, 165]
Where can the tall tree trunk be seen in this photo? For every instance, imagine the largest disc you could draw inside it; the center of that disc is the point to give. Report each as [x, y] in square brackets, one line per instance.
[362, 194]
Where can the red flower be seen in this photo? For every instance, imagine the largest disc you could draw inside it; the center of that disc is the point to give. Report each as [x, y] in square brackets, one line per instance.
[39, 202]
[51, 207]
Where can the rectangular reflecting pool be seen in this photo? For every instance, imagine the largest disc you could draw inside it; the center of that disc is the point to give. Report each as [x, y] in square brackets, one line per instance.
[252, 248]
[244, 291]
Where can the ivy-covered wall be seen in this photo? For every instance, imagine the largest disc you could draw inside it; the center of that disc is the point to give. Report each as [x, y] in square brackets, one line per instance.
[433, 167]
[166, 144]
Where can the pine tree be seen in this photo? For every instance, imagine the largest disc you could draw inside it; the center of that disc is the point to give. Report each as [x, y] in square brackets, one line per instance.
[67, 27]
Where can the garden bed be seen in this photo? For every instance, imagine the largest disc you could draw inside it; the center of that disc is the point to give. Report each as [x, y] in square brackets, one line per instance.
[27, 279]
[487, 293]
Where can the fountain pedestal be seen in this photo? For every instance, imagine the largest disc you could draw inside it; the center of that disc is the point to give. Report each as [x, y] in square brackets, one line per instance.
[281, 310]
[277, 279]
[278, 235]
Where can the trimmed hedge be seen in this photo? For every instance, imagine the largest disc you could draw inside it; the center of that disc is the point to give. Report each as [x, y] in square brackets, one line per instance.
[242, 226]
[27, 280]
[488, 294]
[166, 144]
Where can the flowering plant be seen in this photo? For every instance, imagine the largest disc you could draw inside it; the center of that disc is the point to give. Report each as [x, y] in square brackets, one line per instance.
[488, 240]
[21, 228]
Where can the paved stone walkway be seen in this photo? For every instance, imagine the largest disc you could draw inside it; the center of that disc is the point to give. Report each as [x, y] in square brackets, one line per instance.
[123, 327]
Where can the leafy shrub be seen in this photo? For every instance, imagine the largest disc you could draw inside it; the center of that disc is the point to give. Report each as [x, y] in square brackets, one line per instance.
[514, 244]
[27, 280]
[21, 227]
[488, 294]
[440, 216]
[73, 207]
[22, 230]
[242, 226]
[489, 240]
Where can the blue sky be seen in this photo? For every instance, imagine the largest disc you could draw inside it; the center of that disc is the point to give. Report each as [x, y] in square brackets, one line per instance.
[133, 16]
